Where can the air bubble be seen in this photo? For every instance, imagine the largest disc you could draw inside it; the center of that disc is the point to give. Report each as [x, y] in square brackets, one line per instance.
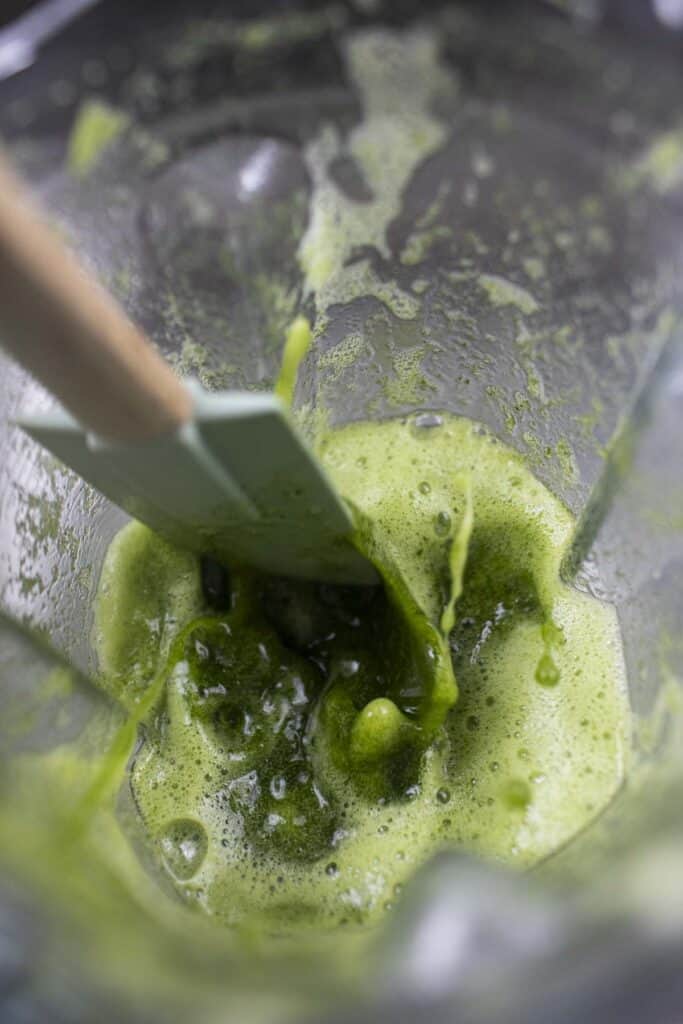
[278, 787]
[184, 844]
[422, 424]
[442, 524]
[443, 795]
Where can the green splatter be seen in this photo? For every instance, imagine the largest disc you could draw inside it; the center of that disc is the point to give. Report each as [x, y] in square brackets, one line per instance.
[336, 360]
[409, 384]
[254, 36]
[297, 344]
[565, 456]
[457, 560]
[534, 268]
[419, 243]
[661, 165]
[502, 292]
[397, 132]
[97, 125]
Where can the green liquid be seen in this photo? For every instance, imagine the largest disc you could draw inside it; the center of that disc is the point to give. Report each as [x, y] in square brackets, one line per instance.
[312, 746]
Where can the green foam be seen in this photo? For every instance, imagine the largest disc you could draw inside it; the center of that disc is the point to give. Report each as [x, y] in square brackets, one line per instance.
[306, 743]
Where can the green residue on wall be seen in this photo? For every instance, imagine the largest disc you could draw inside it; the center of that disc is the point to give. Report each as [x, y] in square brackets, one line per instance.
[151, 152]
[591, 206]
[599, 238]
[420, 242]
[534, 384]
[588, 421]
[398, 131]
[96, 126]
[29, 585]
[427, 230]
[537, 453]
[60, 682]
[500, 399]
[276, 304]
[565, 457]
[615, 349]
[255, 35]
[333, 362]
[534, 268]
[563, 336]
[409, 385]
[193, 361]
[289, 28]
[435, 208]
[661, 165]
[502, 292]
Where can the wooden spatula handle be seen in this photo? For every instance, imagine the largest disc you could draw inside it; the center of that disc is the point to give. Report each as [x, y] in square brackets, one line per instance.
[73, 337]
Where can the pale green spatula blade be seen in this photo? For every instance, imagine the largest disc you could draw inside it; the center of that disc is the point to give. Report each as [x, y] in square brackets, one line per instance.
[237, 483]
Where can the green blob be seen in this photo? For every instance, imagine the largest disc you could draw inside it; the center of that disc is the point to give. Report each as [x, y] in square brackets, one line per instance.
[377, 732]
[547, 672]
[96, 126]
[516, 794]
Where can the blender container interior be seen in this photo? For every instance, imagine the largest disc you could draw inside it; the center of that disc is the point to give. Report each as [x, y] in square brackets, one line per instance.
[506, 187]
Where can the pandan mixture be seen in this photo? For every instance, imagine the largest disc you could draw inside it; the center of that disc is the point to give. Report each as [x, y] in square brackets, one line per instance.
[306, 747]
[303, 748]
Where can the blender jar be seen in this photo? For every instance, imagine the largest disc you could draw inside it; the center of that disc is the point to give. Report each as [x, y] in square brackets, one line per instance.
[479, 208]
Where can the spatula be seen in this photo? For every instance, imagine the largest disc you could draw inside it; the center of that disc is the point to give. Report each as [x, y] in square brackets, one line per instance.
[225, 474]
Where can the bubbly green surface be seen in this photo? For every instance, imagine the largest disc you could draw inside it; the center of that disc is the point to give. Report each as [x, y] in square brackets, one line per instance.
[308, 751]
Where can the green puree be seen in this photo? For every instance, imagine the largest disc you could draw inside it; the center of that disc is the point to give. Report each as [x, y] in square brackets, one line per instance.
[309, 746]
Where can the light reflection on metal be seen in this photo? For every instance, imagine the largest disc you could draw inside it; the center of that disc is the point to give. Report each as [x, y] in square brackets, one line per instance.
[669, 12]
[22, 39]
[257, 171]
